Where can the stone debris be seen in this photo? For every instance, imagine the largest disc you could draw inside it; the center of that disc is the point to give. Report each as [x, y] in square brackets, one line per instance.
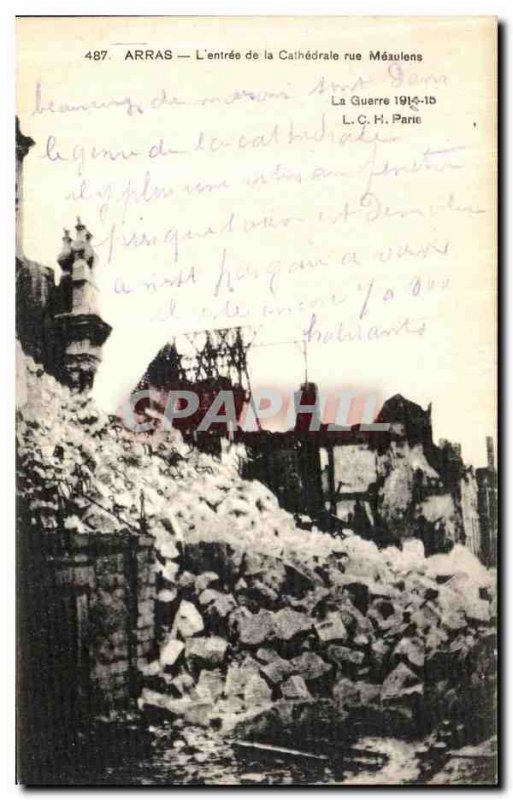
[238, 675]
[257, 691]
[209, 651]
[188, 620]
[168, 549]
[412, 650]
[170, 652]
[295, 688]
[257, 628]
[167, 595]
[210, 685]
[255, 613]
[152, 669]
[289, 623]
[206, 580]
[310, 666]
[400, 682]
[183, 683]
[344, 656]
[331, 629]
[277, 670]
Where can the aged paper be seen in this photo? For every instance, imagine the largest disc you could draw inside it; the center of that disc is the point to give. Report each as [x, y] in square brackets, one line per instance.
[264, 206]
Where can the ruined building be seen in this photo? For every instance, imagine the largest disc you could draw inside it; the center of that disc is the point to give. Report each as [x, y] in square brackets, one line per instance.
[58, 324]
[217, 363]
[387, 485]
[85, 596]
[109, 527]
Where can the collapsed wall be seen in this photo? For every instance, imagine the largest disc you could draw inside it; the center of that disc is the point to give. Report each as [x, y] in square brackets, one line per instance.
[387, 486]
[263, 629]
[282, 634]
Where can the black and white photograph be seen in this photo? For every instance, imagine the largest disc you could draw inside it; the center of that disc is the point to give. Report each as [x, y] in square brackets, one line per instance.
[257, 517]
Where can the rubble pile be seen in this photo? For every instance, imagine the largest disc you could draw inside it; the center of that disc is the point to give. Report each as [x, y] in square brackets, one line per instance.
[412, 497]
[83, 470]
[325, 641]
[265, 630]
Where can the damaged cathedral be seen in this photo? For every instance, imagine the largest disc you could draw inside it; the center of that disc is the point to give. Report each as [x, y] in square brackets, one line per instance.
[191, 601]
[387, 486]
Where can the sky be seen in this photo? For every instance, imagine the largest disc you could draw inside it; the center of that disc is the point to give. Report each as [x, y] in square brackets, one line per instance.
[231, 190]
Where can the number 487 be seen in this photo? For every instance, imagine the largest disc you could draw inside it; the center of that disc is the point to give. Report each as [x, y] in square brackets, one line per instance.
[96, 55]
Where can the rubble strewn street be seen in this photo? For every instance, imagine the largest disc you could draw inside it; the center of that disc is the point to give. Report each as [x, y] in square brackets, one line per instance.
[266, 632]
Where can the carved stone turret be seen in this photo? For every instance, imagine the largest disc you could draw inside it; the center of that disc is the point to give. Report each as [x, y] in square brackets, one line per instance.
[60, 326]
[78, 331]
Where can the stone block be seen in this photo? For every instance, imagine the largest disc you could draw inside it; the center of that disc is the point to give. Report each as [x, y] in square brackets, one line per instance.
[188, 621]
[295, 688]
[344, 656]
[277, 671]
[206, 651]
[400, 682]
[257, 691]
[331, 629]
[206, 580]
[256, 628]
[310, 666]
[289, 623]
[210, 685]
[238, 675]
[170, 652]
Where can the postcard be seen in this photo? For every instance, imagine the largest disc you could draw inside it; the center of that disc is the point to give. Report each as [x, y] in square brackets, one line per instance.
[256, 337]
